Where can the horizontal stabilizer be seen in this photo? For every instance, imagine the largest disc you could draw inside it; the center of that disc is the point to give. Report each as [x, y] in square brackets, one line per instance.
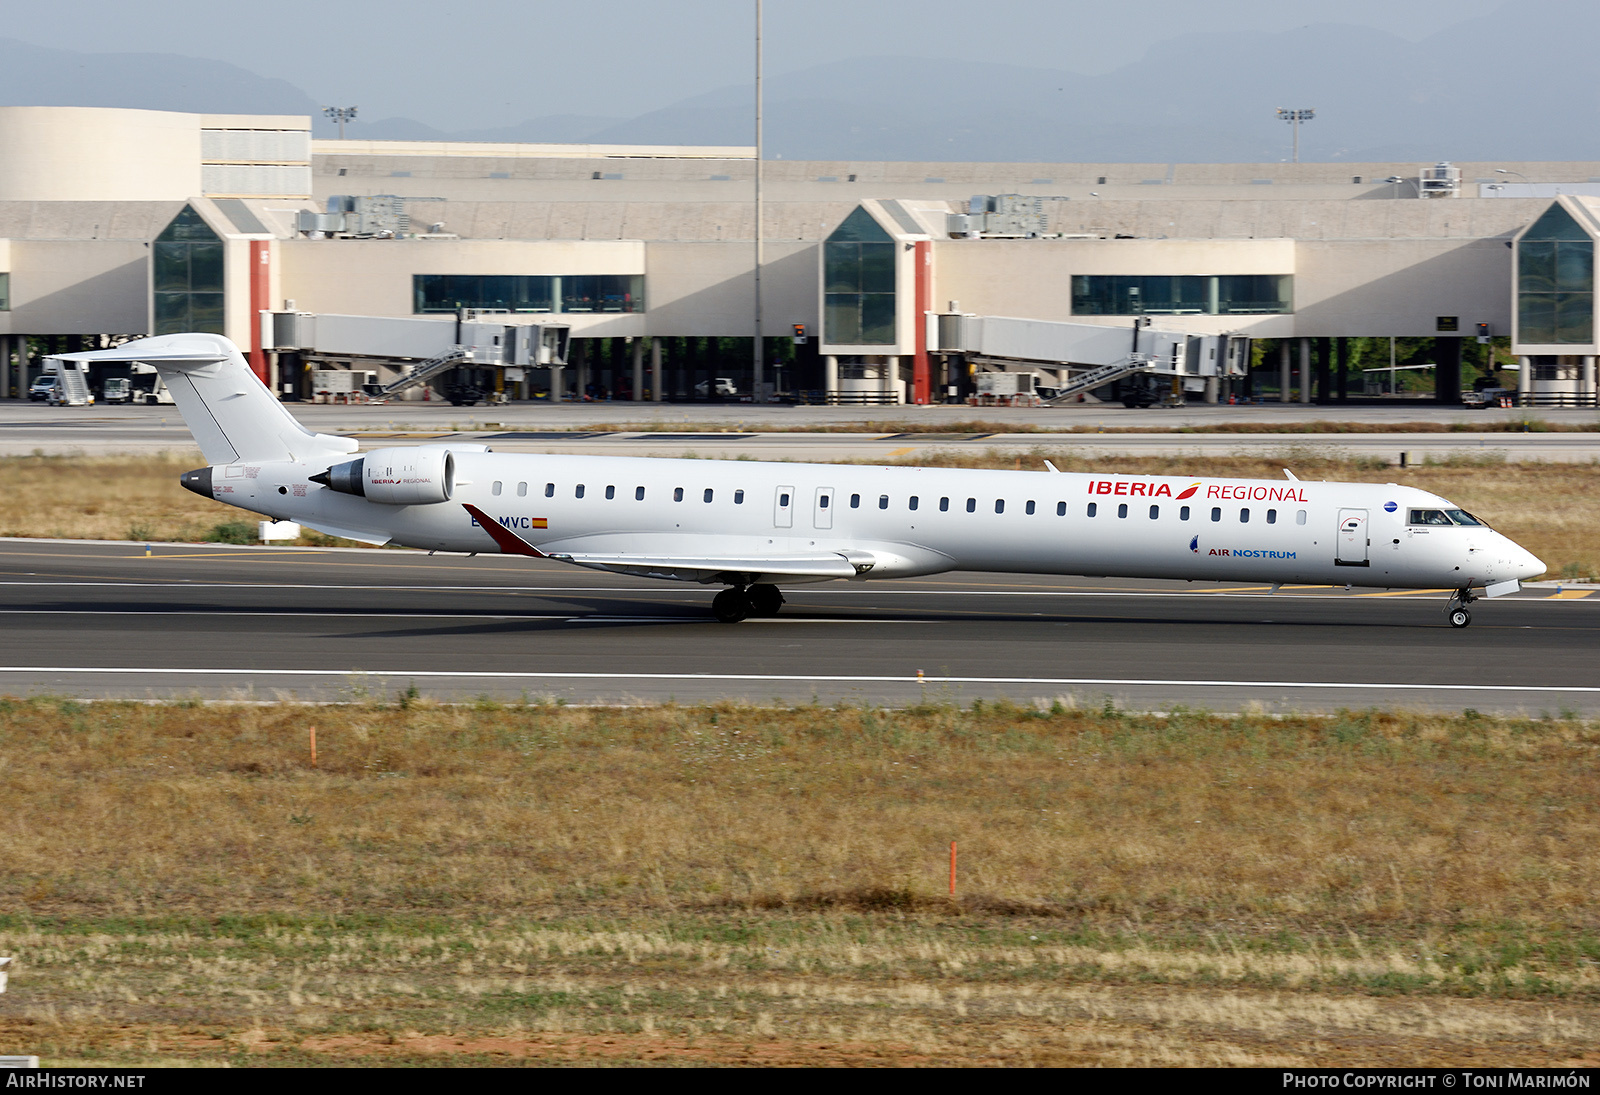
[234, 418]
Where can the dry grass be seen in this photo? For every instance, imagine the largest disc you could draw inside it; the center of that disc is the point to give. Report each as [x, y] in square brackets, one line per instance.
[736, 884]
[1552, 509]
[118, 498]
[1471, 423]
[1388, 821]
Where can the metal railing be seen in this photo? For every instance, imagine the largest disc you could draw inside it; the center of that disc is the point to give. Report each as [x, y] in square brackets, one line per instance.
[1094, 378]
[427, 370]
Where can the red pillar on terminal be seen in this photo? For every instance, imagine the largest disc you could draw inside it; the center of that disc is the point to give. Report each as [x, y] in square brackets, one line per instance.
[260, 287]
[921, 384]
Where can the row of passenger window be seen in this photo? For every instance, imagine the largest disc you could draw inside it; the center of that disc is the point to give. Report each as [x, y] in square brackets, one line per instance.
[497, 488]
[912, 503]
[1216, 513]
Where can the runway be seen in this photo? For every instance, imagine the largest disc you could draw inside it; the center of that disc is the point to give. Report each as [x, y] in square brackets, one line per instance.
[99, 620]
[765, 433]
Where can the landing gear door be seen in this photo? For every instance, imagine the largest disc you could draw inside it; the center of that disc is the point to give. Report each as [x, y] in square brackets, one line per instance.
[822, 514]
[1353, 539]
[783, 508]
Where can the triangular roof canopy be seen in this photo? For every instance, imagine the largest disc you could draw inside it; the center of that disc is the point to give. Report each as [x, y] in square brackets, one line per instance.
[860, 227]
[1555, 224]
[188, 226]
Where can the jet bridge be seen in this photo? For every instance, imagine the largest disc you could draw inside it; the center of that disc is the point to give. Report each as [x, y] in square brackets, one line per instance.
[419, 350]
[1085, 356]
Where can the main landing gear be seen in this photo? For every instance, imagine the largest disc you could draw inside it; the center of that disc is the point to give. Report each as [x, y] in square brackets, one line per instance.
[1456, 609]
[741, 602]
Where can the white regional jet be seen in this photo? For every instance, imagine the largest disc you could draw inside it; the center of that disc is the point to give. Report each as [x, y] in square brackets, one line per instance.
[752, 526]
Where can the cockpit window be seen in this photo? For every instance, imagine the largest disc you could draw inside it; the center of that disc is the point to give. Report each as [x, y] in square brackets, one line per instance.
[1462, 517]
[1429, 517]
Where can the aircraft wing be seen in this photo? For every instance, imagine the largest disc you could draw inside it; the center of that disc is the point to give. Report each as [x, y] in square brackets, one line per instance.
[689, 568]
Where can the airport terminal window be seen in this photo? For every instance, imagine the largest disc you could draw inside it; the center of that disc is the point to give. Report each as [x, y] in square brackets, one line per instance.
[1162, 295]
[186, 274]
[1093, 509]
[564, 293]
[858, 283]
[5, 292]
[1555, 281]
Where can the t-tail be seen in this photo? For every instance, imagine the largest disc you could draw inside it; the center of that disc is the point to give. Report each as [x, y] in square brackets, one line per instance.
[232, 415]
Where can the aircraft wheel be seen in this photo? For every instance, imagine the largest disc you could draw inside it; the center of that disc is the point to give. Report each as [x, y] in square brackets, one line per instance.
[730, 606]
[1460, 617]
[765, 600]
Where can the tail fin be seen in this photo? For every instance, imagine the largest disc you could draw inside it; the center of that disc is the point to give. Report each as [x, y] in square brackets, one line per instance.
[232, 415]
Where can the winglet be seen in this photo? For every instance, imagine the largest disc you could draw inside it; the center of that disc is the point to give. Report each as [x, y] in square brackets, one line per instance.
[510, 543]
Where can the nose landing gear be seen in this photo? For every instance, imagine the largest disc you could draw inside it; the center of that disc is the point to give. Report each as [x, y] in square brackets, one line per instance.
[1456, 609]
[741, 602]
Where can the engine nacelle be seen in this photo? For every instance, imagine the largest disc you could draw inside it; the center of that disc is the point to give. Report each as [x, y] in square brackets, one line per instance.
[395, 477]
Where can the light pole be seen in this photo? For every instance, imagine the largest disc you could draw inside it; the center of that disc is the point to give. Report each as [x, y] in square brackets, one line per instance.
[1518, 174]
[340, 114]
[756, 357]
[1294, 118]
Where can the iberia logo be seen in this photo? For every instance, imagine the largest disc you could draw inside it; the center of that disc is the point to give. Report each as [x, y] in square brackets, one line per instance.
[1194, 545]
[1189, 491]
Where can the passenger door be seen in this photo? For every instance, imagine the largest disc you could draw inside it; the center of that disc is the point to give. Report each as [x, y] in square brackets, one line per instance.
[822, 512]
[1353, 540]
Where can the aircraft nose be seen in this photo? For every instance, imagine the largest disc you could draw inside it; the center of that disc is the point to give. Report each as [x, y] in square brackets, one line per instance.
[1528, 565]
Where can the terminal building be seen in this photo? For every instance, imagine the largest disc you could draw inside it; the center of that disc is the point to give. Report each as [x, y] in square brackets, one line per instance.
[436, 269]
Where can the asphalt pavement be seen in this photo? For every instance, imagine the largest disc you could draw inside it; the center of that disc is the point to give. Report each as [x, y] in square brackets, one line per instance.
[108, 620]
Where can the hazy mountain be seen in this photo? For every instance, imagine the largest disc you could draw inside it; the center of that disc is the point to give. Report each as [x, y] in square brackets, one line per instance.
[552, 129]
[1518, 84]
[38, 76]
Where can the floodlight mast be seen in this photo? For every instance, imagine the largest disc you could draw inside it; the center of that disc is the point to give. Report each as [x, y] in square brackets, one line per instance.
[756, 370]
[340, 114]
[1294, 118]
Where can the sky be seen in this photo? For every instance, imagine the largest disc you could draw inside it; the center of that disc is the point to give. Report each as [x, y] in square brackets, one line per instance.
[498, 62]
